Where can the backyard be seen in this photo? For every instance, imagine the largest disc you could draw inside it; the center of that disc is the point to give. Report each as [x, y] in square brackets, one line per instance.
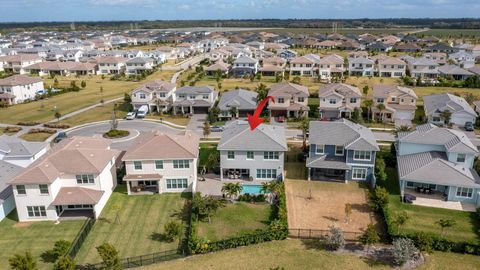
[424, 219]
[233, 220]
[134, 224]
[35, 237]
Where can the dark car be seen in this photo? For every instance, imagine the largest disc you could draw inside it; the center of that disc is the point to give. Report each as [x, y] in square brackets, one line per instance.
[216, 129]
[469, 126]
[60, 136]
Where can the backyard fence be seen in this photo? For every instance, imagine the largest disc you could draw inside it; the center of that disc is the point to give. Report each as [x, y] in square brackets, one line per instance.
[320, 234]
[81, 236]
[138, 261]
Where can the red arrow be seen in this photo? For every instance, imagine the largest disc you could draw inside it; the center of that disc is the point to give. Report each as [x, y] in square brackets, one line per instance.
[255, 120]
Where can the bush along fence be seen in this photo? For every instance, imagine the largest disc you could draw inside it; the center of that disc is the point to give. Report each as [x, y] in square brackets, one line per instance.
[277, 230]
[81, 236]
[426, 241]
[321, 234]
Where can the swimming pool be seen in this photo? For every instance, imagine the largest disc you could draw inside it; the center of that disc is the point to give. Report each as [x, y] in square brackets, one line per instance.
[252, 189]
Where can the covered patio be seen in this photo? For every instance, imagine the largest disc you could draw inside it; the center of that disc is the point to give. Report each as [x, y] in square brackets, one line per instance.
[73, 203]
[327, 168]
[437, 200]
[142, 184]
[235, 174]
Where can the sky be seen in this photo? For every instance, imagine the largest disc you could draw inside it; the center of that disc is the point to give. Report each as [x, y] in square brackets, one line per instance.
[107, 10]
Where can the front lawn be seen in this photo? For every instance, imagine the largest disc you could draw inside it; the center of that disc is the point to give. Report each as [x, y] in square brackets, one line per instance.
[233, 220]
[423, 218]
[36, 137]
[134, 224]
[100, 113]
[176, 119]
[35, 237]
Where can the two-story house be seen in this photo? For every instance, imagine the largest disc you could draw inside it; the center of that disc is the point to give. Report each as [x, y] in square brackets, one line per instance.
[245, 66]
[111, 64]
[19, 88]
[138, 65]
[338, 100]
[463, 59]
[74, 179]
[306, 65]
[460, 111]
[290, 100]
[423, 68]
[341, 150]
[158, 163]
[16, 63]
[360, 66]
[194, 99]
[158, 95]
[244, 102]
[438, 162]
[399, 104]
[391, 67]
[256, 154]
[273, 66]
[331, 67]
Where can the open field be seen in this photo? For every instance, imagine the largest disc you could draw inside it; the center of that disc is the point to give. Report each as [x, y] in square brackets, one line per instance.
[328, 31]
[35, 237]
[452, 33]
[138, 230]
[233, 220]
[179, 119]
[303, 255]
[424, 218]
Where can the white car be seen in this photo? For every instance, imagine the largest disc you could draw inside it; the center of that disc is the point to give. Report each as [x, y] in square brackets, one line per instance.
[130, 116]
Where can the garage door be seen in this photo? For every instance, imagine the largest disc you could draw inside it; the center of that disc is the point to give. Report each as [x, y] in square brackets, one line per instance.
[460, 119]
[200, 110]
[403, 115]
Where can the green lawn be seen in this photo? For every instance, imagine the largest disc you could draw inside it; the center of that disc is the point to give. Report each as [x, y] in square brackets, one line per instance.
[205, 150]
[140, 227]
[35, 237]
[234, 219]
[36, 137]
[303, 255]
[177, 119]
[424, 218]
[99, 113]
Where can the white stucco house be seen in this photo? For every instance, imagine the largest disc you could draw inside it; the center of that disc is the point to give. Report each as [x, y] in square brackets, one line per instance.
[19, 88]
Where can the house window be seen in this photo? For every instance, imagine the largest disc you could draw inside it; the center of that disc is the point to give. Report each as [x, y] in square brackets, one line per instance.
[301, 99]
[181, 96]
[43, 189]
[461, 158]
[380, 100]
[158, 164]
[359, 174]
[85, 178]
[464, 192]
[177, 183]
[181, 164]
[162, 94]
[205, 96]
[394, 99]
[361, 155]
[191, 97]
[266, 173]
[230, 155]
[320, 149]
[249, 155]
[21, 189]
[270, 155]
[339, 150]
[137, 165]
[281, 100]
[36, 211]
[353, 100]
[142, 96]
[332, 101]
[410, 184]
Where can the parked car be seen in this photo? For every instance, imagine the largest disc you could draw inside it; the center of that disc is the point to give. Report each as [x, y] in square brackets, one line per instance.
[142, 111]
[131, 115]
[469, 126]
[216, 129]
[60, 136]
[280, 119]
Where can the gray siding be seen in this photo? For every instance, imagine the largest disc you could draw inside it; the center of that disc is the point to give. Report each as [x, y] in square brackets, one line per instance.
[241, 162]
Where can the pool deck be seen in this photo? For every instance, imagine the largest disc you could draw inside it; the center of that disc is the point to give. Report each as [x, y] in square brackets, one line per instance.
[213, 185]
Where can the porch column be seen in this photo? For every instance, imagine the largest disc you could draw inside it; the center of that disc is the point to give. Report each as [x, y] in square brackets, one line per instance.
[346, 179]
[158, 186]
[309, 173]
[402, 189]
[221, 174]
[128, 187]
[183, 111]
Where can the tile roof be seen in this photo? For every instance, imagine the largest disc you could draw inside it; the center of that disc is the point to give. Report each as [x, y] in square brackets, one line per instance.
[77, 195]
[441, 102]
[240, 98]
[15, 147]
[19, 80]
[383, 90]
[340, 88]
[287, 89]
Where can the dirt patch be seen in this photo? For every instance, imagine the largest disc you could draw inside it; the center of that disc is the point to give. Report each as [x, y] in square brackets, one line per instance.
[318, 205]
[22, 224]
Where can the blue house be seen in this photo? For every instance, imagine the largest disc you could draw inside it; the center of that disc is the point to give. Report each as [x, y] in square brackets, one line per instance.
[436, 164]
[341, 151]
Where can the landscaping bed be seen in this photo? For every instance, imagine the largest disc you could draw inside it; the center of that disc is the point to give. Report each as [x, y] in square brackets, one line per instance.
[116, 133]
[38, 134]
[10, 130]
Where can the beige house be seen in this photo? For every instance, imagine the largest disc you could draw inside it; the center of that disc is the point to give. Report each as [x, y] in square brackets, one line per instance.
[159, 163]
[158, 95]
[330, 67]
[291, 100]
[338, 100]
[399, 104]
[391, 67]
[272, 66]
[306, 65]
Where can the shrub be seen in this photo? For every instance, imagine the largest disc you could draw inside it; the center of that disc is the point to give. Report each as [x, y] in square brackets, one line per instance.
[60, 248]
[65, 263]
[22, 123]
[116, 133]
[379, 198]
[423, 241]
[403, 251]
[22, 262]
[41, 130]
[56, 125]
[251, 198]
[12, 129]
[335, 240]
[109, 255]
[370, 236]
[173, 230]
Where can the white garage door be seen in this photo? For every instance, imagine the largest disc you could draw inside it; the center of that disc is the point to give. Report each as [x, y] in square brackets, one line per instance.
[460, 119]
[403, 115]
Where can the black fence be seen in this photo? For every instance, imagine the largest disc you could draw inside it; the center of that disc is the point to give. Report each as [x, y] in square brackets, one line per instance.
[81, 236]
[320, 234]
[138, 261]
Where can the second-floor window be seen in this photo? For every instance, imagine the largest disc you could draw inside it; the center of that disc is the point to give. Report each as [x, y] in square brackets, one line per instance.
[361, 155]
[270, 155]
[332, 101]
[142, 96]
[230, 155]
[250, 155]
[85, 179]
[281, 100]
[158, 164]
[301, 99]
[461, 158]
[394, 99]
[181, 164]
[353, 100]
[137, 165]
[339, 150]
[162, 94]
[320, 149]
[205, 96]
[43, 189]
[21, 190]
[380, 100]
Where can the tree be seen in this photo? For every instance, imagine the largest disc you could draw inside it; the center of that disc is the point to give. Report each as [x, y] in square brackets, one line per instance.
[114, 120]
[57, 115]
[60, 248]
[335, 239]
[109, 255]
[173, 229]
[278, 77]
[233, 111]
[55, 83]
[470, 98]
[262, 91]
[127, 98]
[370, 236]
[348, 212]
[381, 108]
[22, 262]
[403, 251]
[232, 189]
[403, 128]
[379, 198]
[304, 126]
[296, 80]
[365, 90]
[380, 173]
[357, 116]
[445, 223]
[369, 104]
[401, 218]
[206, 129]
[213, 161]
[65, 263]
[83, 84]
[204, 206]
[446, 115]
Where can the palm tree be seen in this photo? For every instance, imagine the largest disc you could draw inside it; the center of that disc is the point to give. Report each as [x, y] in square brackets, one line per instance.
[381, 107]
[233, 112]
[403, 128]
[446, 115]
[368, 103]
[232, 189]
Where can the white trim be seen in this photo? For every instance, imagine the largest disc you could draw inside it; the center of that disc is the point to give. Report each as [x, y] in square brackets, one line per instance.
[323, 147]
[361, 165]
[359, 159]
[363, 169]
[343, 150]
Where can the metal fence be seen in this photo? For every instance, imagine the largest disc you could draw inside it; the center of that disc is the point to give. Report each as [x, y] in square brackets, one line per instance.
[81, 236]
[138, 261]
[319, 234]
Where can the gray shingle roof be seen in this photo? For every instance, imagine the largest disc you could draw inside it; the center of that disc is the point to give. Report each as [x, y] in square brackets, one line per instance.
[238, 136]
[14, 146]
[240, 98]
[327, 162]
[441, 102]
[343, 132]
[453, 70]
[7, 172]
[195, 90]
[434, 168]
